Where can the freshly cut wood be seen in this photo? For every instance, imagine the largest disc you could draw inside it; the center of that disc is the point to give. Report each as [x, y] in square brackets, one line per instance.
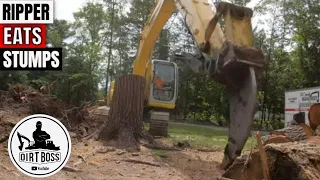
[286, 161]
[314, 115]
[263, 158]
[277, 139]
[124, 123]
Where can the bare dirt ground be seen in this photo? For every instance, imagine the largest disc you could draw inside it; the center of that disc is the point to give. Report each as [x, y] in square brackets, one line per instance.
[94, 161]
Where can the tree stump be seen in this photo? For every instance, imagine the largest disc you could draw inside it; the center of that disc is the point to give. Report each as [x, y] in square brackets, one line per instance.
[124, 126]
[286, 161]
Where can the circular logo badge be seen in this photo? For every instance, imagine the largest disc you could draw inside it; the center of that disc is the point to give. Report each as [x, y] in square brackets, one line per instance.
[39, 145]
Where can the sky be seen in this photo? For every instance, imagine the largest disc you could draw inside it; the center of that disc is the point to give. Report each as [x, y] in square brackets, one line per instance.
[66, 8]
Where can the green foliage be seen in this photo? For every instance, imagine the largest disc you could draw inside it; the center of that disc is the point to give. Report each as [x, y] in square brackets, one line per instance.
[102, 42]
[202, 136]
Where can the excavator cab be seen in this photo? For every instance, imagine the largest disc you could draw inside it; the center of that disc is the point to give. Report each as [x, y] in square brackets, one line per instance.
[163, 89]
[162, 85]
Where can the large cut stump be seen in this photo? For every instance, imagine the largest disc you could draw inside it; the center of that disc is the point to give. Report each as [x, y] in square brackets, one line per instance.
[124, 126]
[286, 161]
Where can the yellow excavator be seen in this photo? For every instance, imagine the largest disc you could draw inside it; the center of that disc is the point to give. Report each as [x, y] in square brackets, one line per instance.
[225, 54]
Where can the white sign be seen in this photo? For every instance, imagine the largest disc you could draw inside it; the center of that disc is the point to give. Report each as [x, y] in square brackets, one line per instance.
[300, 100]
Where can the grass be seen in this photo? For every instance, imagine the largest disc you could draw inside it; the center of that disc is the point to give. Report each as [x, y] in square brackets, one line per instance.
[201, 137]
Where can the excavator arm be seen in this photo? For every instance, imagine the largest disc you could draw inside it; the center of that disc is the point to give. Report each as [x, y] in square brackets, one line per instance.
[197, 14]
[226, 56]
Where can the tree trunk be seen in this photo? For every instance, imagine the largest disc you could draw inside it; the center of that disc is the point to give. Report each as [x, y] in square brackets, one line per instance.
[110, 48]
[124, 126]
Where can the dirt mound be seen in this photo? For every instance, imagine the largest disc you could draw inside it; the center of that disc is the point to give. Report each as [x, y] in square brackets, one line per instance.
[36, 102]
[24, 100]
[84, 120]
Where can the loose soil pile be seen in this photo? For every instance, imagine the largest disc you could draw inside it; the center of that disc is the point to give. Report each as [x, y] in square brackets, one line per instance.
[27, 100]
[23, 100]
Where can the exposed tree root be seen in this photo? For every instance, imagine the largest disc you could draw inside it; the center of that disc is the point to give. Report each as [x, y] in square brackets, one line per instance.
[70, 169]
[141, 162]
[160, 146]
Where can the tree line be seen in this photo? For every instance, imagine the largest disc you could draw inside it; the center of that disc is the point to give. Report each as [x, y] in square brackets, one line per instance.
[101, 44]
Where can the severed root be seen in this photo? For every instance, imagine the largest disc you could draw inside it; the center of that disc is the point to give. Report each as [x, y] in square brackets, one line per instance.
[263, 157]
[161, 147]
[82, 159]
[71, 169]
[141, 162]
[223, 178]
[208, 149]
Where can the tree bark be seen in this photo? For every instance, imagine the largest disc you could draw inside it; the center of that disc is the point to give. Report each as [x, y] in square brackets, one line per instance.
[110, 48]
[124, 126]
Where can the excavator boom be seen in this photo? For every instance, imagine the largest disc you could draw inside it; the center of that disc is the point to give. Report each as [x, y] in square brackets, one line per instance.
[227, 56]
